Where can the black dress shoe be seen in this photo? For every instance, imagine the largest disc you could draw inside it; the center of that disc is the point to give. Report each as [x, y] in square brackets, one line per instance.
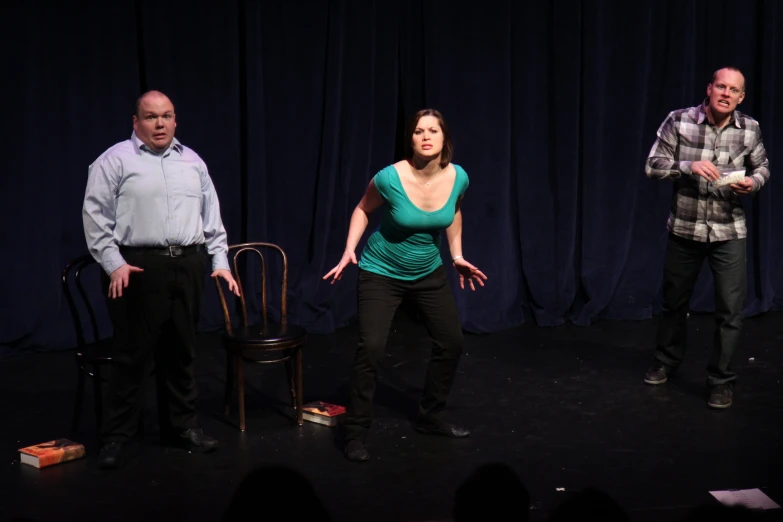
[111, 456]
[194, 440]
[356, 451]
[443, 429]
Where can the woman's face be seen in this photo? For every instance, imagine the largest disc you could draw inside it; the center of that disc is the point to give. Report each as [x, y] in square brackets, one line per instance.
[427, 137]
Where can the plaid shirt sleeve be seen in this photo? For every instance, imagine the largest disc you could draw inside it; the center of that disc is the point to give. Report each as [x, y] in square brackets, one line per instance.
[661, 162]
[758, 161]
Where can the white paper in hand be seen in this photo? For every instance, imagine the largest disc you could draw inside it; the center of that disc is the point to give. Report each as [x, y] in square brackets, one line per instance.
[729, 175]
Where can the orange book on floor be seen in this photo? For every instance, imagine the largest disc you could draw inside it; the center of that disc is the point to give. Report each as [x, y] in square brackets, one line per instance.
[323, 413]
[50, 453]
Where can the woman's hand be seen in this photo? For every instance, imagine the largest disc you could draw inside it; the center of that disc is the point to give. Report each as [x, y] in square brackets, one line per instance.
[469, 272]
[337, 272]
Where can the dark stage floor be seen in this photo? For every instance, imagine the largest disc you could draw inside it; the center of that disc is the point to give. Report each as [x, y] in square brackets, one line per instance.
[565, 407]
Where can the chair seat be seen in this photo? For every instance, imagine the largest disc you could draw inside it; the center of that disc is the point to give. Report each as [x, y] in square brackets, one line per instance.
[269, 336]
[101, 352]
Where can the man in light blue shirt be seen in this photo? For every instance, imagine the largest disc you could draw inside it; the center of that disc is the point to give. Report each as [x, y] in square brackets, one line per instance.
[150, 210]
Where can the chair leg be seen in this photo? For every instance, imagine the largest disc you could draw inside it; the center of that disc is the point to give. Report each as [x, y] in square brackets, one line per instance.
[77, 407]
[240, 369]
[97, 386]
[298, 373]
[289, 372]
[230, 365]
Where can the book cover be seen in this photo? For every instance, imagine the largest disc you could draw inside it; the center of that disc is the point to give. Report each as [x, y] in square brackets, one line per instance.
[50, 453]
[323, 413]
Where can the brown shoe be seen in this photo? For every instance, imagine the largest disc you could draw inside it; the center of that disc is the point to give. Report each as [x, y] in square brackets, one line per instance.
[657, 375]
[720, 397]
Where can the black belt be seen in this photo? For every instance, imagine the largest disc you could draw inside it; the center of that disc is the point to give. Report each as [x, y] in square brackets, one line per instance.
[169, 251]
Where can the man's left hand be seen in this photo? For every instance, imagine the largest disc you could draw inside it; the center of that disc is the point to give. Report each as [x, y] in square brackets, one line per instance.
[226, 274]
[744, 187]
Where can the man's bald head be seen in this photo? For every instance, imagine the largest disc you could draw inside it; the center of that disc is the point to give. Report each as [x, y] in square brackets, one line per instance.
[150, 94]
[155, 121]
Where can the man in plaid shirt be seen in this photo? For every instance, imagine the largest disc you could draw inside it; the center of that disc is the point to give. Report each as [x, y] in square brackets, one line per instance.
[693, 146]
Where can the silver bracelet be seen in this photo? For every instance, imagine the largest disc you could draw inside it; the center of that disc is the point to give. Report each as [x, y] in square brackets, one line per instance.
[457, 257]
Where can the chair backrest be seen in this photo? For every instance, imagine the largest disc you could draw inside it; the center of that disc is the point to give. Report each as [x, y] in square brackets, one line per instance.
[72, 277]
[235, 254]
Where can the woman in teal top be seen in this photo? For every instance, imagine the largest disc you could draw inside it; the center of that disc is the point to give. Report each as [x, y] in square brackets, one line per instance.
[421, 196]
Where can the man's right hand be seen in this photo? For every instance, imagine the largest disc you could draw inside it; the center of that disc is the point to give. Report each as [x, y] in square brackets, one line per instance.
[120, 278]
[706, 170]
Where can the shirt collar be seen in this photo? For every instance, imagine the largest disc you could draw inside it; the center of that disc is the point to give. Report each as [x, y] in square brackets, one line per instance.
[702, 117]
[139, 146]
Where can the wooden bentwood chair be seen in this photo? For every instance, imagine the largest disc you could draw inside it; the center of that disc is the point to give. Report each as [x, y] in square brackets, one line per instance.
[264, 342]
[92, 352]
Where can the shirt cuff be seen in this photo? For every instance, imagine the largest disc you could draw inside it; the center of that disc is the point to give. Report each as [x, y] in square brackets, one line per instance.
[112, 261]
[685, 167]
[220, 262]
[756, 183]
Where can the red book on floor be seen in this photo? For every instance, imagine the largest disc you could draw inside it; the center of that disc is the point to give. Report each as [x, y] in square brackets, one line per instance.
[50, 453]
[323, 413]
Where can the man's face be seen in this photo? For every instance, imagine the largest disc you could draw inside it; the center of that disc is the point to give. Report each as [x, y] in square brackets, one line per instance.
[155, 122]
[726, 92]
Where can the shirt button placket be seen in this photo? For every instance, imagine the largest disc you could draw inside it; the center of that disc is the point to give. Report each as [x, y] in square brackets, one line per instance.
[169, 230]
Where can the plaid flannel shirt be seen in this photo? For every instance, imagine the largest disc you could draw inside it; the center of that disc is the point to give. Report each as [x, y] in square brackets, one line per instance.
[699, 211]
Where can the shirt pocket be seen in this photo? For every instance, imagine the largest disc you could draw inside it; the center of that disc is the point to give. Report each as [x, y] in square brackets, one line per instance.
[737, 153]
[186, 182]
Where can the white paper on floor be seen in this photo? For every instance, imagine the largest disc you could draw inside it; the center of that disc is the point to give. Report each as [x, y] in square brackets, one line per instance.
[751, 498]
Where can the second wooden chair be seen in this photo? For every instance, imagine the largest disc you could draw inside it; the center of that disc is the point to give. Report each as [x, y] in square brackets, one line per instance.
[264, 341]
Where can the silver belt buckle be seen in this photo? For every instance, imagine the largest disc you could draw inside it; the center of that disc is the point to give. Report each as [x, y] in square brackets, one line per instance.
[175, 251]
